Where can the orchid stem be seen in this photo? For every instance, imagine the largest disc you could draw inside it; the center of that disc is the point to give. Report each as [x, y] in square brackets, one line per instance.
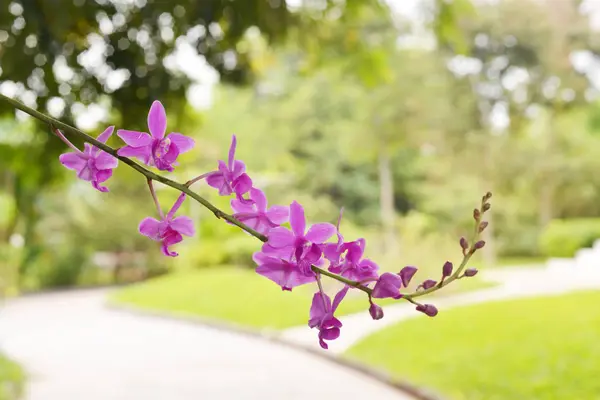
[196, 179]
[156, 203]
[67, 142]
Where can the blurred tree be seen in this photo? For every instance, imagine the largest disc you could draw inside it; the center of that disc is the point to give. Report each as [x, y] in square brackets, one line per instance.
[77, 50]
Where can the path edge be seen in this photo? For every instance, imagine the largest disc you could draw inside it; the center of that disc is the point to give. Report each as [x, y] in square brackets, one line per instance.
[417, 392]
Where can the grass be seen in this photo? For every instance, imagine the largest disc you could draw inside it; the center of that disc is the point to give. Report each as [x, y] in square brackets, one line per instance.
[241, 296]
[11, 380]
[540, 348]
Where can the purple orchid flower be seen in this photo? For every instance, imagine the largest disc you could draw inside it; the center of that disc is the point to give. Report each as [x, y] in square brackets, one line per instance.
[256, 215]
[346, 258]
[231, 177]
[155, 149]
[298, 242]
[92, 165]
[168, 230]
[322, 318]
[285, 273]
[388, 285]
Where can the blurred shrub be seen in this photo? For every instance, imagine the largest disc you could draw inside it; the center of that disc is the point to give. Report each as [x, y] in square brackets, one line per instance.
[56, 268]
[563, 237]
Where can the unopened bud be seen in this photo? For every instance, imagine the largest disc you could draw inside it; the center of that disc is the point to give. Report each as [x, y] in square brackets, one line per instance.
[471, 272]
[487, 196]
[476, 214]
[479, 245]
[482, 226]
[376, 311]
[427, 309]
[428, 284]
[463, 243]
[447, 269]
[486, 207]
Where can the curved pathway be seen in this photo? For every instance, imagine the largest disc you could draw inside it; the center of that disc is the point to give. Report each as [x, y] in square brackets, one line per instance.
[74, 348]
[513, 283]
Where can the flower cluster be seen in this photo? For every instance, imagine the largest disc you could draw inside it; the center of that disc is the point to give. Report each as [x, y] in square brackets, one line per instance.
[293, 253]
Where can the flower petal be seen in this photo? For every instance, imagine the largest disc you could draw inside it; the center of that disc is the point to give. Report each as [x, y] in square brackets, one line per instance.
[242, 207]
[182, 142]
[278, 214]
[231, 156]
[72, 161]
[320, 306]
[297, 219]
[319, 233]
[142, 153]
[259, 199]
[238, 168]
[150, 227]
[103, 137]
[157, 120]
[217, 180]
[105, 161]
[242, 184]
[183, 225]
[171, 239]
[134, 138]
[281, 237]
[338, 298]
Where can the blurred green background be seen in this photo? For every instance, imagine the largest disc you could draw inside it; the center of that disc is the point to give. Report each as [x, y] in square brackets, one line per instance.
[404, 112]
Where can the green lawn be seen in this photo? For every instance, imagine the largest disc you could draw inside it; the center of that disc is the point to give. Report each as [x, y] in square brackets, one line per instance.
[241, 296]
[540, 348]
[11, 380]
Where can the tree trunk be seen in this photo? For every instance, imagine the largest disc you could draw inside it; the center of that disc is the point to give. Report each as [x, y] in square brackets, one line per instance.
[386, 202]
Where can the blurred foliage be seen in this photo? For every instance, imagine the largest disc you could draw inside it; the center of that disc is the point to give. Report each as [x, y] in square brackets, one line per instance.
[12, 379]
[563, 237]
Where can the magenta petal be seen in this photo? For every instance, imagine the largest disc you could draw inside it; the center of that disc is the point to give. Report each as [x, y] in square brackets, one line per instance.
[142, 153]
[171, 239]
[278, 214]
[259, 199]
[103, 176]
[134, 138]
[238, 168]
[339, 297]
[242, 184]
[150, 227]
[182, 142]
[297, 219]
[281, 237]
[407, 274]
[183, 225]
[105, 161]
[319, 233]
[103, 137]
[388, 285]
[242, 207]
[72, 161]
[231, 156]
[320, 306]
[157, 120]
[217, 180]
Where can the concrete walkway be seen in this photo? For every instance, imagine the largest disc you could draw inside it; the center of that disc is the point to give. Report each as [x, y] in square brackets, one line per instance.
[513, 283]
[76, 349]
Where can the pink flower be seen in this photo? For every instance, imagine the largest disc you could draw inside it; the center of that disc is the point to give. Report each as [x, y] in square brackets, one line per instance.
[388, 285]
[321, 316]
[297, 242]
[155, 149]
[231, 177]
[285, 273]
[256, 215]
[168, 230]
[346, 259]
[92, 165]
